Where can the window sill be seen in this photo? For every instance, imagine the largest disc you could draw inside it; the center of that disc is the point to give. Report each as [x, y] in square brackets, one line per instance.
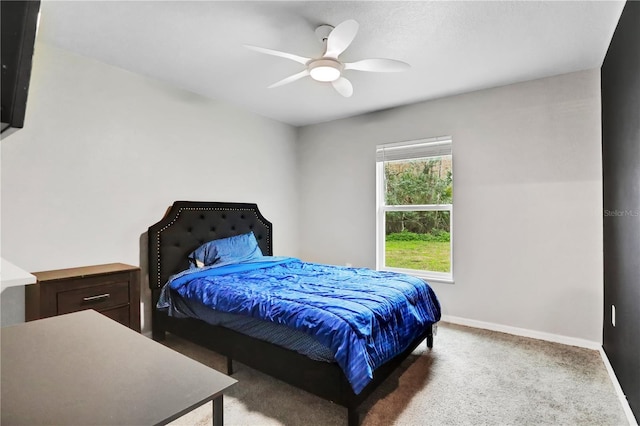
[435, 280]
[430, 277]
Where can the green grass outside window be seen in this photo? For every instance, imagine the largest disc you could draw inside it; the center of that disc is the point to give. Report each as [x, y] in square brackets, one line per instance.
[421, 255]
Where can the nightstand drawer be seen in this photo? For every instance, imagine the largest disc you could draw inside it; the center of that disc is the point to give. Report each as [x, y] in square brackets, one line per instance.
[96, 297]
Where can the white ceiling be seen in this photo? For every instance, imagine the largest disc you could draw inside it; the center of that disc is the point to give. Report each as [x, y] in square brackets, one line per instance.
[453, 47]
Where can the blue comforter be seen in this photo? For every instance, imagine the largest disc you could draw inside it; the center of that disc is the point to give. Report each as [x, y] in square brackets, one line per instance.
[365, 317]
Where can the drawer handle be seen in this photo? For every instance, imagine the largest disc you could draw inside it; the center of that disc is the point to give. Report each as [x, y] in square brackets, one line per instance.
[96, 298]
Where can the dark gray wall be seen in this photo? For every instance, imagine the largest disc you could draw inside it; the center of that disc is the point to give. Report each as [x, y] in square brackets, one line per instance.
[621, 185]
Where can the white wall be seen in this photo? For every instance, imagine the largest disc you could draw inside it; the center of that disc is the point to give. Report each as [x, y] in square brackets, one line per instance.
[527, 199]
[104, 152]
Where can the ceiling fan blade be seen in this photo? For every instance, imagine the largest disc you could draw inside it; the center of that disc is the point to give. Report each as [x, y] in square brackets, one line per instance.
[377, 65]
[300, 59]
[340, 38]
[343, 86]
[290, 79]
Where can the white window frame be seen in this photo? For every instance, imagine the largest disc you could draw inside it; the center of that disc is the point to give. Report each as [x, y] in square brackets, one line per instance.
[382, 209]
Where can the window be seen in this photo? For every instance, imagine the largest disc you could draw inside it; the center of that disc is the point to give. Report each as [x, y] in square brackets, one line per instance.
[415, 208]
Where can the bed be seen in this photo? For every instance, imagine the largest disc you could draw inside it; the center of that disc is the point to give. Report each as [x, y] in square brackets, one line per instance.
[186, 226]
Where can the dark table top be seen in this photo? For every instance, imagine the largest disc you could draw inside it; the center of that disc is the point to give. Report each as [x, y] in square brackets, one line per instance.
[84, 368]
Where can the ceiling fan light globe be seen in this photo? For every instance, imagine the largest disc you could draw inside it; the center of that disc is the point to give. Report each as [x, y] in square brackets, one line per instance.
[325, 69]
[325, 73]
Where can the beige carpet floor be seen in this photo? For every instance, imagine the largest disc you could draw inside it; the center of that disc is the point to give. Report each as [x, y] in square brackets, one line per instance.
[470, 377]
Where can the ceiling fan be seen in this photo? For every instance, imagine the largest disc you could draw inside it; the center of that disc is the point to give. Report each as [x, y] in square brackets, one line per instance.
[328, 68]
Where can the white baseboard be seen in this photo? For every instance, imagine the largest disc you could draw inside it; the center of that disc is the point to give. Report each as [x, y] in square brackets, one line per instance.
[540, 335]
[556, 338]
[621, 396]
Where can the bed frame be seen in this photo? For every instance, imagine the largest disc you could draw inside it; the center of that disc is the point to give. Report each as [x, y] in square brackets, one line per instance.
[188, 224]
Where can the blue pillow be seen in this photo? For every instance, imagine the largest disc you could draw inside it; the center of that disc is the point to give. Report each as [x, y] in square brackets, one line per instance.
[232, 249]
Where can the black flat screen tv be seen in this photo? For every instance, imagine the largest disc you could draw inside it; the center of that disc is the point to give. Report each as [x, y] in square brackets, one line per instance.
[19, 25]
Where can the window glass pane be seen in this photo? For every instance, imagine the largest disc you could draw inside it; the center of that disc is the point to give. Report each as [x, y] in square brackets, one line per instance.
[420, 181]
[418, 240]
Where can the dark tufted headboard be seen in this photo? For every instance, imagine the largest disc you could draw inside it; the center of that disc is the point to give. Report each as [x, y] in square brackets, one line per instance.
[188, 224]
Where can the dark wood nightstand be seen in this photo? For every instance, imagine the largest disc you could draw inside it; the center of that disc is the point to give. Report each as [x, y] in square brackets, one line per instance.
[112, 289]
